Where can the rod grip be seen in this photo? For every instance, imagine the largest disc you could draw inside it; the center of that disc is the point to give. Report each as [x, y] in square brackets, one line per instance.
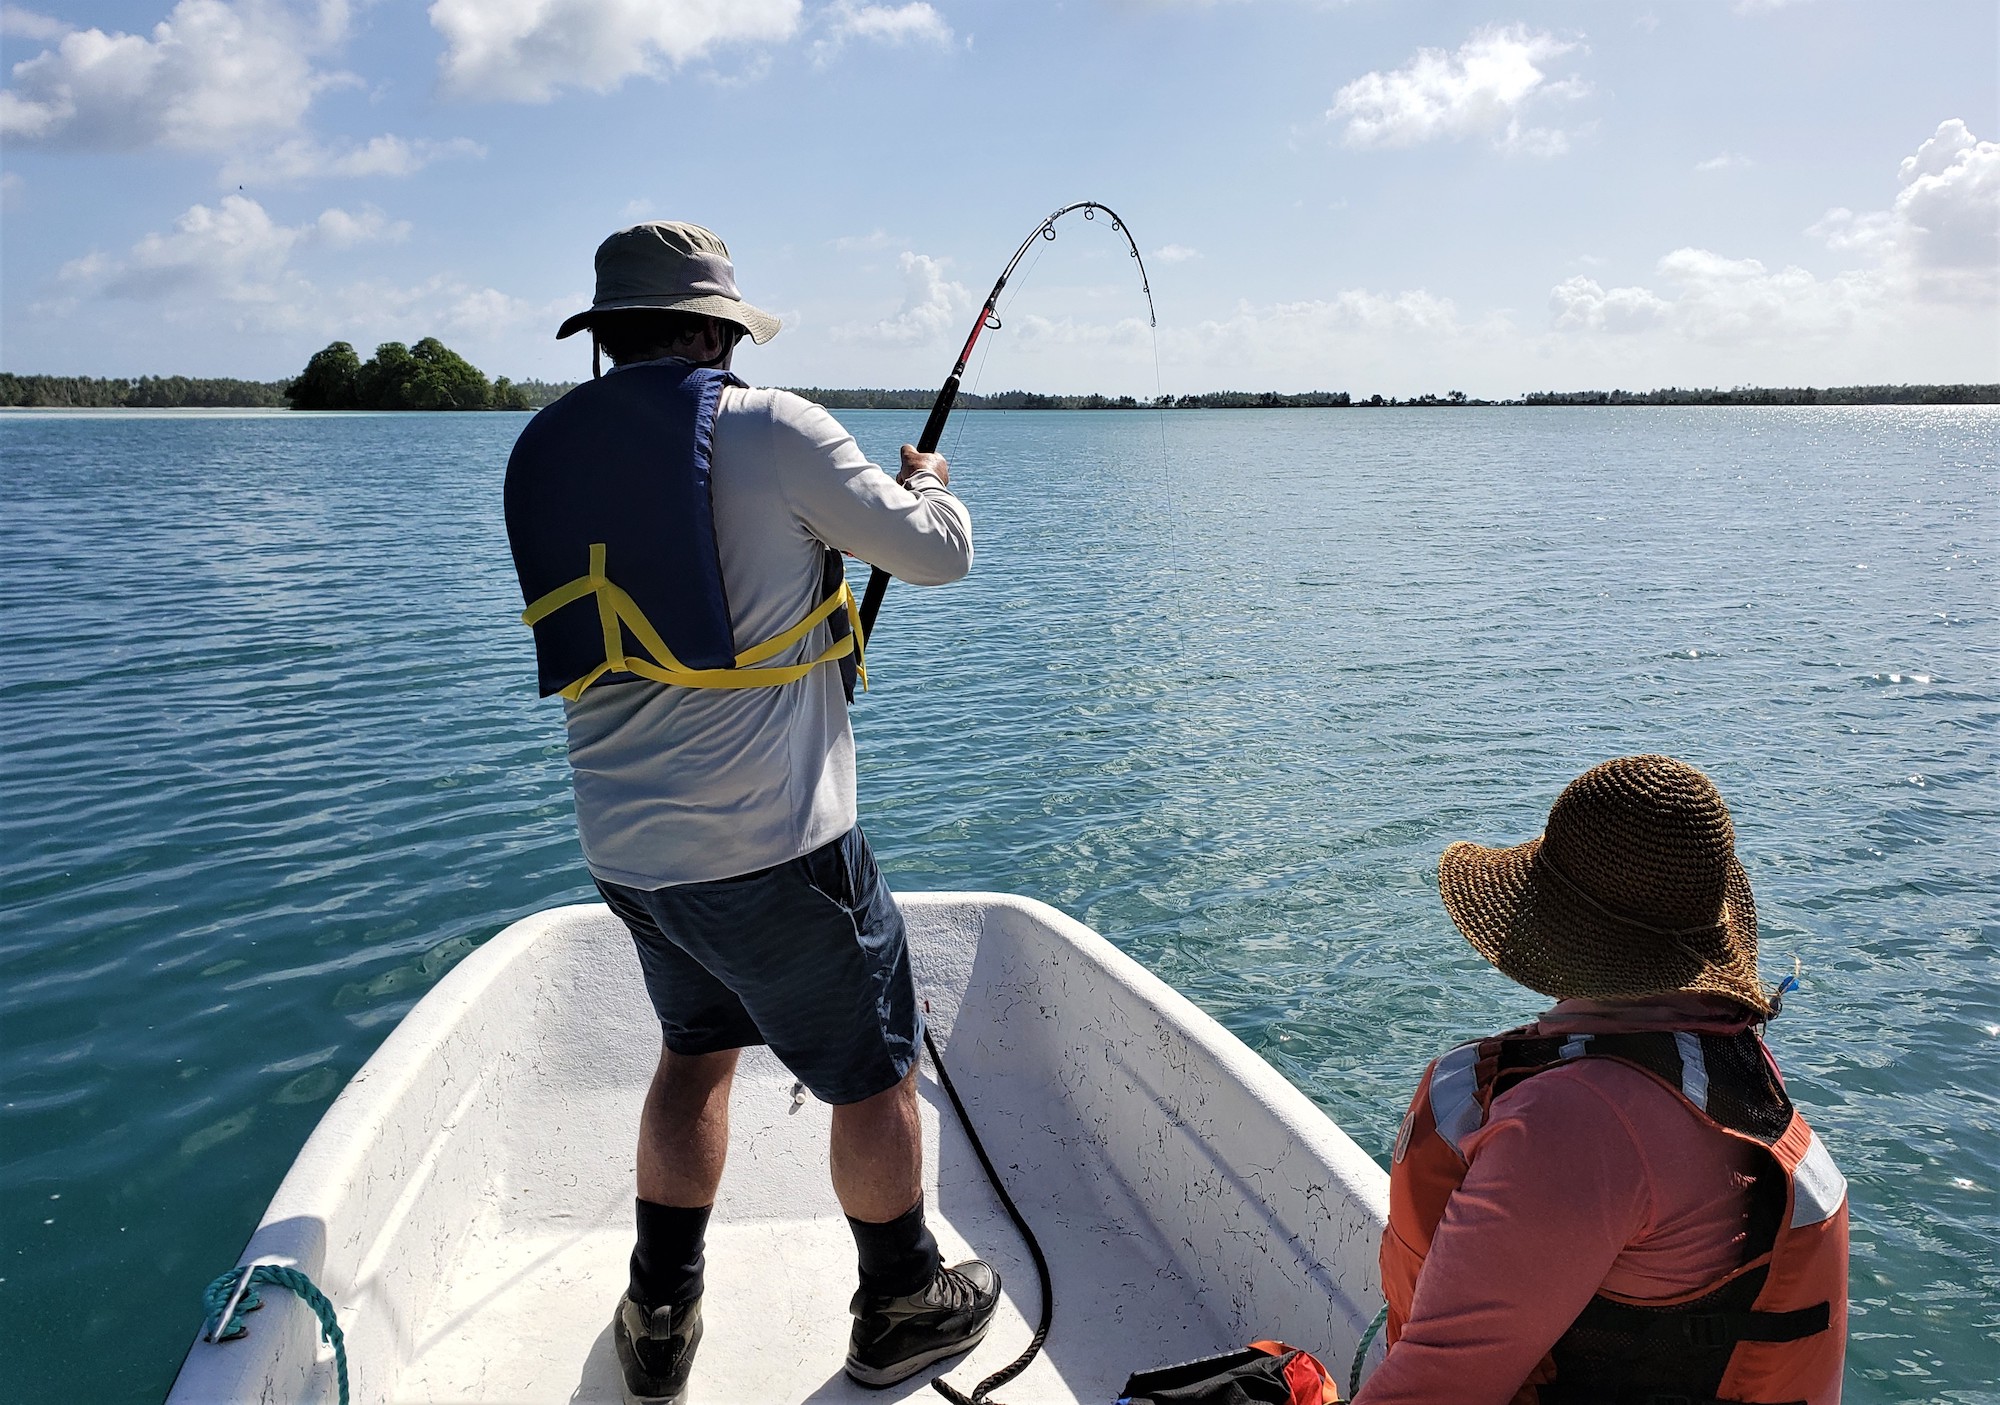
[927, 442]
[871, 602]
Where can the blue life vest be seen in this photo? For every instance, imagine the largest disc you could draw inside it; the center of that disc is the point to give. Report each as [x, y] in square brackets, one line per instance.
[613, 533]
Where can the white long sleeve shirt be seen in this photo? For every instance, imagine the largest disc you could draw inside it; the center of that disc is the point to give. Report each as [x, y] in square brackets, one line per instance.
[682, 785]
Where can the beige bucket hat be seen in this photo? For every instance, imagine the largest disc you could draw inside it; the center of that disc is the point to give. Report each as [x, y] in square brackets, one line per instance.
[1633, 889]
[672, 267]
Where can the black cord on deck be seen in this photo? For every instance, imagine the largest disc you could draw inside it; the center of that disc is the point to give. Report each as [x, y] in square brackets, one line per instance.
[981, 1393]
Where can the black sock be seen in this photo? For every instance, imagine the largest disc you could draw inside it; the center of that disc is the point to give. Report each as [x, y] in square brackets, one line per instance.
[667, 1257]
[898, 1257]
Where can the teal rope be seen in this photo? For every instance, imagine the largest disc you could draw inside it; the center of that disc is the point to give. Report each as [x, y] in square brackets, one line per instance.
[1354, 1372]
[216, 1297]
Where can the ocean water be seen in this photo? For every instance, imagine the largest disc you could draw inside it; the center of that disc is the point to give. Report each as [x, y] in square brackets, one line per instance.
[1222, 684]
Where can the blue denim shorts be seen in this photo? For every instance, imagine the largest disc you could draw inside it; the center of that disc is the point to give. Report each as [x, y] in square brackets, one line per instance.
[808, 957]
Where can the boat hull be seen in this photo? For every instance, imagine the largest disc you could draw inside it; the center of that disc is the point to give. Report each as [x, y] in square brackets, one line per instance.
[466, 1201]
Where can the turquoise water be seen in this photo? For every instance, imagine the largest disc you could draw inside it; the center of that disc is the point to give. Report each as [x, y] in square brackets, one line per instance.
[1222, 684]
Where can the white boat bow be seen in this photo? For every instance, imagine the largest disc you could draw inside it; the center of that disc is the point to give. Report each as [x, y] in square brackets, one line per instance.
[466, 1202]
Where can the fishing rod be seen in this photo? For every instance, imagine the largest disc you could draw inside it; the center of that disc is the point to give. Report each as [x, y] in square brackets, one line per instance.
[989, 321]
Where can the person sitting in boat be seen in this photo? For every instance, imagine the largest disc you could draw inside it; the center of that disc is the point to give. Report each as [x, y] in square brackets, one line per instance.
[678, 537]
[1618, 1202]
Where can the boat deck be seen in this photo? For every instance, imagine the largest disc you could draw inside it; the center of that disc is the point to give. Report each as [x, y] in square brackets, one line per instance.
[527, 1313]
[466, 1202]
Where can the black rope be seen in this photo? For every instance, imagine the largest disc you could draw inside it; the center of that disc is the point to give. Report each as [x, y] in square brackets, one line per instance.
[982, 1393]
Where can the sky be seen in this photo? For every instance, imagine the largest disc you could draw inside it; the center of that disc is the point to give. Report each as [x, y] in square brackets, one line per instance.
[1374, 196]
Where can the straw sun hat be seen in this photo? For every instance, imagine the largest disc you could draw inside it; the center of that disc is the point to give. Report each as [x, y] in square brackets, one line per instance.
[668, 266]
[1633, 889]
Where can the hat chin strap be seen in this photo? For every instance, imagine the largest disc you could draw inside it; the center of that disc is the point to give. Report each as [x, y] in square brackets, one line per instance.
[718, 361]
[1675, 934]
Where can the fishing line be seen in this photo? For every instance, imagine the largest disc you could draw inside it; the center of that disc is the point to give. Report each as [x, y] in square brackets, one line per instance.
[878, 579]
[986, 349]
[1159, 398]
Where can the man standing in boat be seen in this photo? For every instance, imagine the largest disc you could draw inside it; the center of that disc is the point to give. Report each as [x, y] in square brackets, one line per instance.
[1618, 1202]
[678, 537]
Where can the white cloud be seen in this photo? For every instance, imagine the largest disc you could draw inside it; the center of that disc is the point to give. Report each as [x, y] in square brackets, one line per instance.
[525, 50]
[1725, 161]
[1481, 90]
[1720, 301]
[1939, 241]
[862, 243]
[337, 229]
[372, 310]
[1582, 304]
[233, 252]
[1035, 332]
[1321, 340]
[302, 159]
[1330, 342]
[1726, 300]
[17, 23]
[485, 310]
[1950, 202]
[231, 271]
[1951, 194]
[213, 76]
[914, 23]
[1874, 234]
[1941, 234]
[1175, 253]
[899, 24]
[933, 306]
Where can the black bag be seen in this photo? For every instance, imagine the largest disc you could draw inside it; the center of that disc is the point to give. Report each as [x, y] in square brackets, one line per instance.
[1263, 1373]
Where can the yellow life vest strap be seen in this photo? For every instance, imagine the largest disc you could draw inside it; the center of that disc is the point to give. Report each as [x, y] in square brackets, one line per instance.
[617, 612]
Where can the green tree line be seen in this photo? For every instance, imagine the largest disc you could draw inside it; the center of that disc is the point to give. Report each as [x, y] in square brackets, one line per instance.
[427, 376]
[1790, 395]
[1032, 400]
[430, 376]
[142, 393]
[1968, 394]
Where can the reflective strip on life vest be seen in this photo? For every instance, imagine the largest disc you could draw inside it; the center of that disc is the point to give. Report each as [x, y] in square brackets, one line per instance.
[1694, 1068]
[615, 609]
[1818, 1188]
[1455, 1096]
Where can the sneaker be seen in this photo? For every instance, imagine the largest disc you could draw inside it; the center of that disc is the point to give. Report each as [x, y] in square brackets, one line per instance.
[656, 1350]
[894, 1338]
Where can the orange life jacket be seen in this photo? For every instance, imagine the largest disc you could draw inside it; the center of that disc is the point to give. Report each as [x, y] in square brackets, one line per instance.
[1772, 1330]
